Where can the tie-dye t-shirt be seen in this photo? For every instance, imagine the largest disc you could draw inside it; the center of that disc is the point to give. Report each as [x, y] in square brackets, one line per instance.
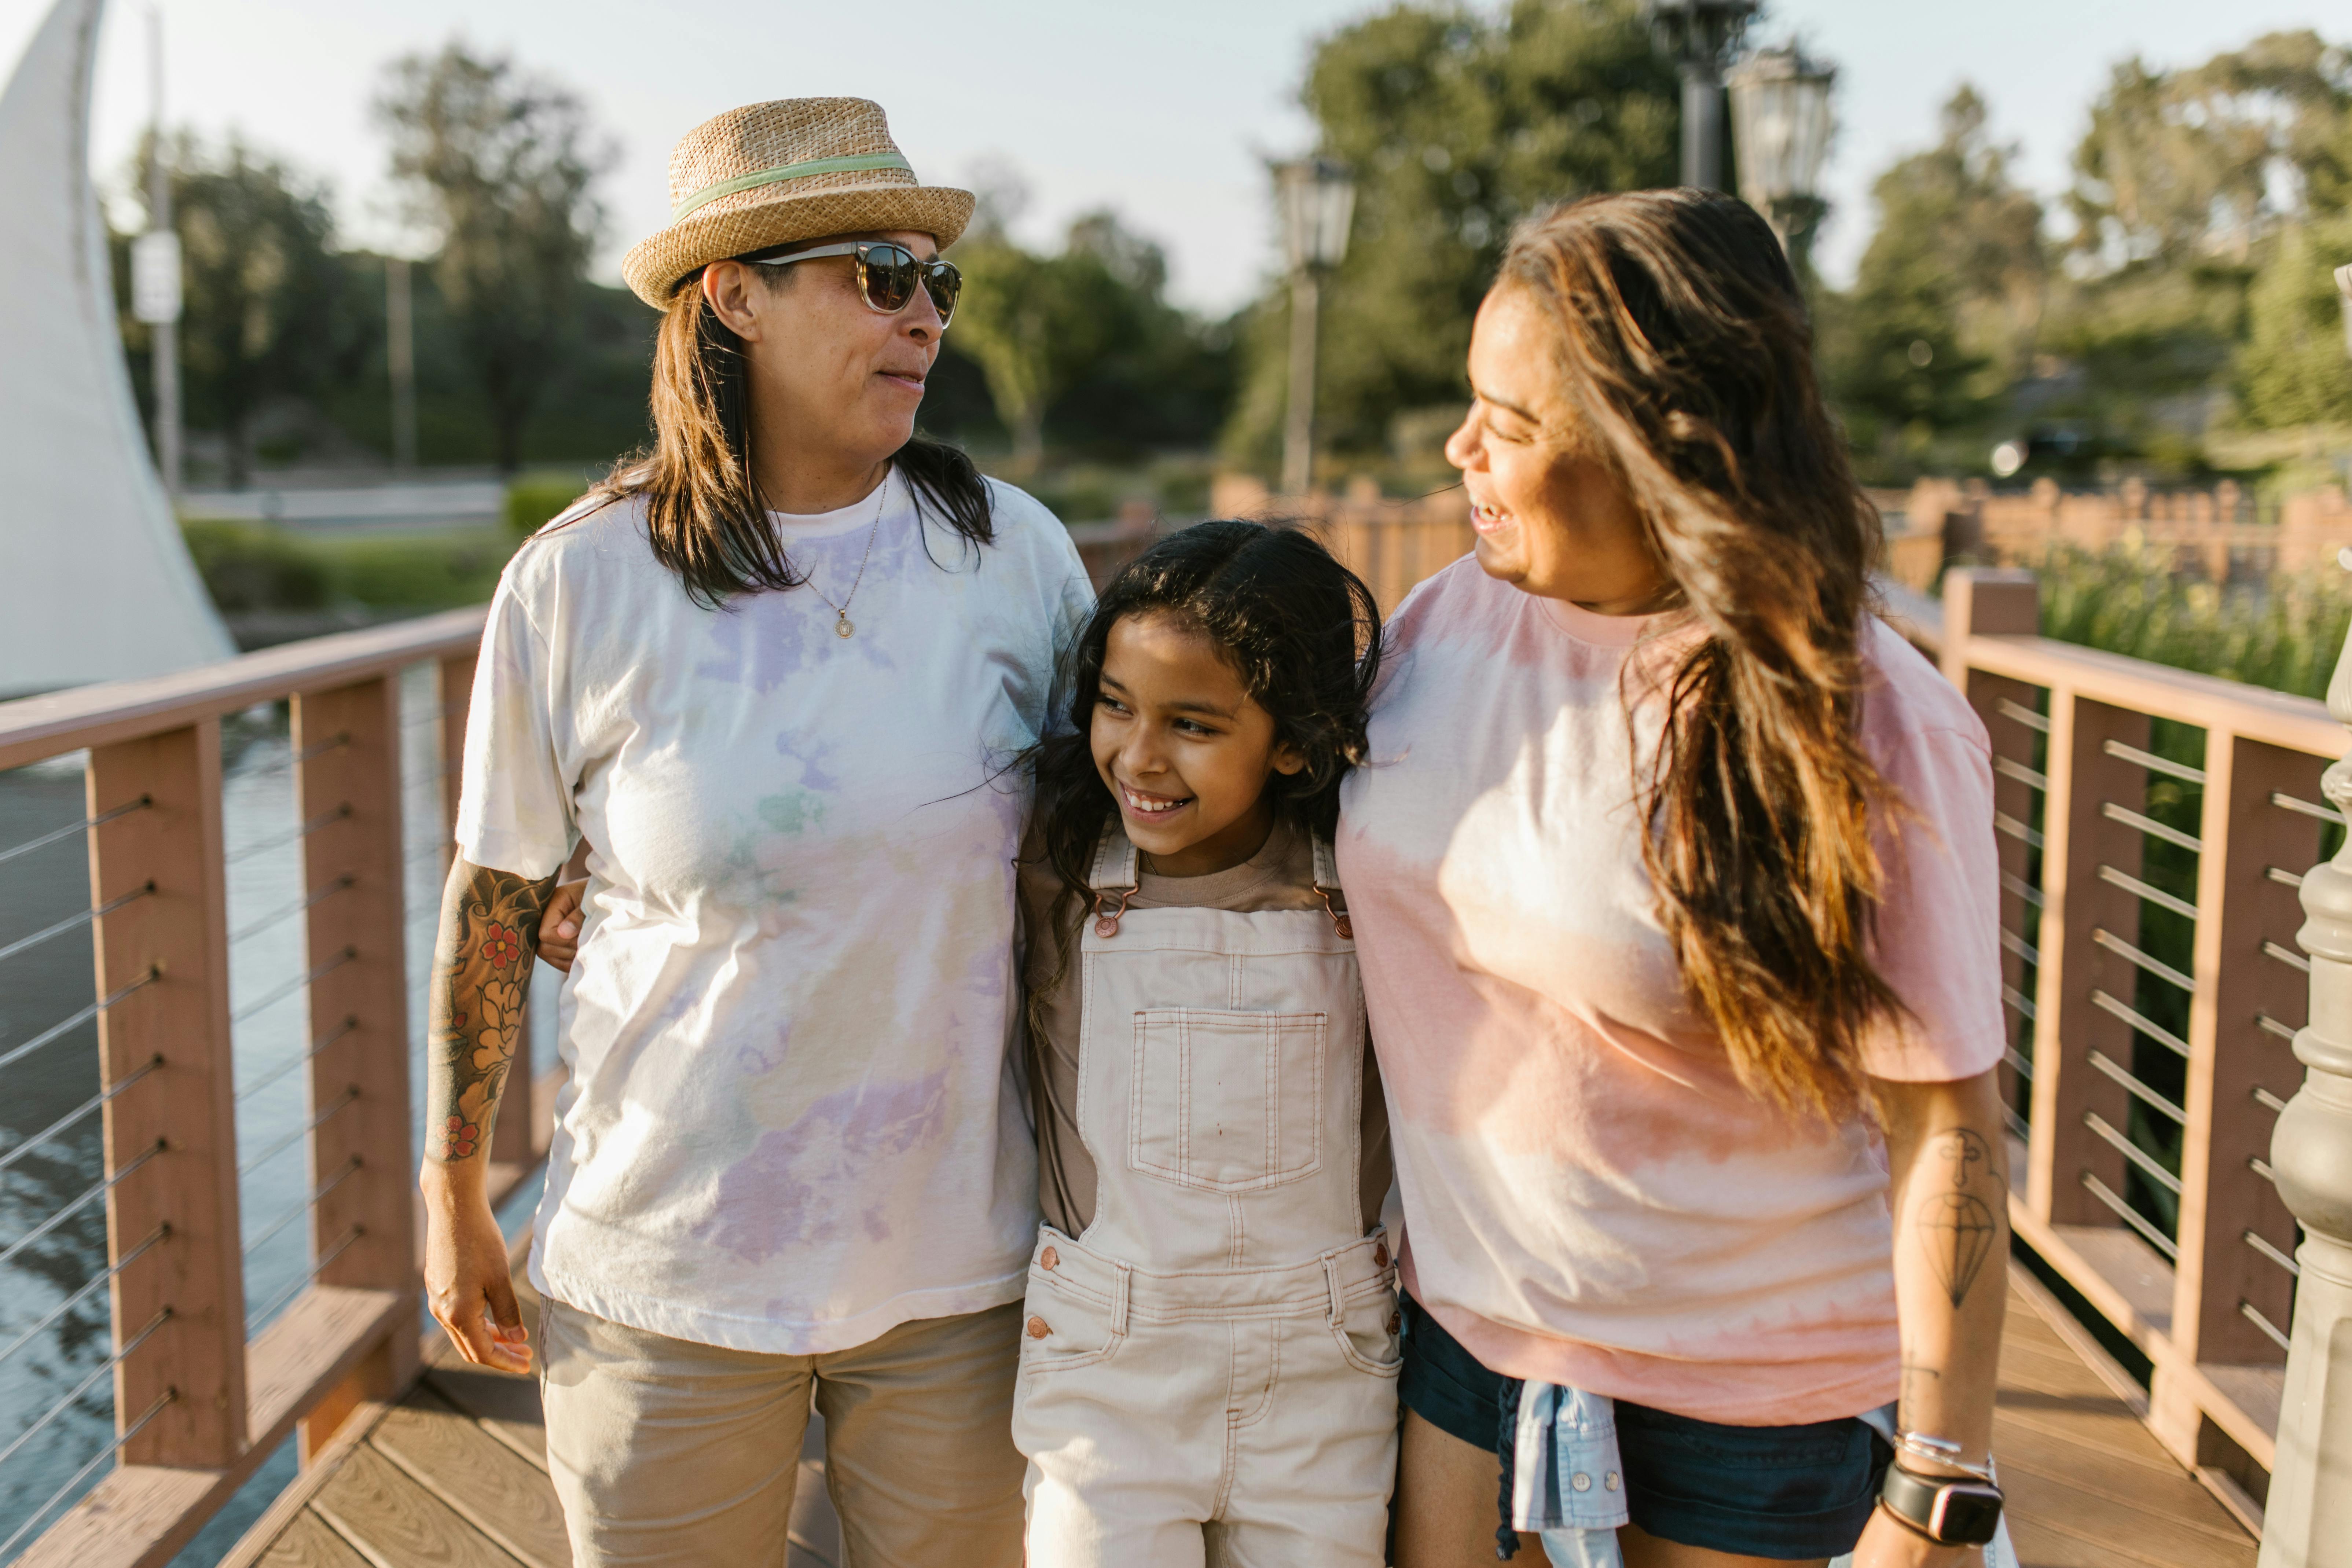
[1589, 1196]
[793, 1121]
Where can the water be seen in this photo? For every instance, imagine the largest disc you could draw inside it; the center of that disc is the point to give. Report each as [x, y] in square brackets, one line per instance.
[52, 981]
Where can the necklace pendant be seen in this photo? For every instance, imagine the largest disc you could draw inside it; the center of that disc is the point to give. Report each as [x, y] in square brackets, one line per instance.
[841, 626]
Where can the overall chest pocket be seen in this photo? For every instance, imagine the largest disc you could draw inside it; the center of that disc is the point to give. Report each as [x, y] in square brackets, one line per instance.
[1226, 1101]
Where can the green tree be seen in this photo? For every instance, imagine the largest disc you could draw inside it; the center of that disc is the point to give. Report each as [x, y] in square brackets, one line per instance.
[501, 167]
[1947, 297]
[2202, 161]
[261, 286]
[2293, 369]
[1457, 125]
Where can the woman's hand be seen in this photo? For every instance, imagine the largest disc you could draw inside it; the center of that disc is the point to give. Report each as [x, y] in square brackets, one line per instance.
[559, 926]
[466, 1282]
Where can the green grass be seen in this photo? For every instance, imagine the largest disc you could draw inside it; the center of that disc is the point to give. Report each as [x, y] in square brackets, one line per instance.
[252, 567]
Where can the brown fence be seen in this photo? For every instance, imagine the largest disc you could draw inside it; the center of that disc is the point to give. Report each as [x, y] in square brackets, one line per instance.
[198, 1404]
[2217, 534]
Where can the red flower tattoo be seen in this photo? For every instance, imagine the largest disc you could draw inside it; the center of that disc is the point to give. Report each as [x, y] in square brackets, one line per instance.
[459, 1137]
[500, 946]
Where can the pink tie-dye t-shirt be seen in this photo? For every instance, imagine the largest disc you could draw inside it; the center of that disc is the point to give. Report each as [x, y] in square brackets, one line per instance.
[1589, 1196]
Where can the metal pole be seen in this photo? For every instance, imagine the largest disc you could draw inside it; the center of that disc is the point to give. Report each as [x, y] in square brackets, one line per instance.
[400, 355]
[2307, 1517]
[163, 336]
[1298, 431]
[1703, 124]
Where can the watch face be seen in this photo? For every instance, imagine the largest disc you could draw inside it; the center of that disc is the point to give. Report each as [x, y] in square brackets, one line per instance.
[1965, 1515]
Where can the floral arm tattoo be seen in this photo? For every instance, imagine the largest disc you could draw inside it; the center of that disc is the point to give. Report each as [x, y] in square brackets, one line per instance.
[481, 967]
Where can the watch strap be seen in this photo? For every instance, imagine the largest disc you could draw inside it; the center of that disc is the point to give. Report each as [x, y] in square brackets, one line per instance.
[1951, 1510]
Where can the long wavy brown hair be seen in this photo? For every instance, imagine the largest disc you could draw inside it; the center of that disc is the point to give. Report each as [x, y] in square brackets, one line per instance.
[1686, 356]
[704, 514]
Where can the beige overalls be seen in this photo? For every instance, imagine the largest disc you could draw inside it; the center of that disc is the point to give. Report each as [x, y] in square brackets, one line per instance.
[1208, 1373]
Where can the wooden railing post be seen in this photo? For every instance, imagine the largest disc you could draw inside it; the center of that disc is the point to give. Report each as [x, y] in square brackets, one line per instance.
[2242, 904]
[171, 1136]
[454, 691]
[1979, 601]
[348, 781]
[2307, 1520]
[2078, 972]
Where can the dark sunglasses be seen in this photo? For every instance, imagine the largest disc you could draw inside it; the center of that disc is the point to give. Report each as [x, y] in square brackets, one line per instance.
[887, 275]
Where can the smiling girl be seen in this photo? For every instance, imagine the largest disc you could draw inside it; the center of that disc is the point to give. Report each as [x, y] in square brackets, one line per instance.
[1208, 1355]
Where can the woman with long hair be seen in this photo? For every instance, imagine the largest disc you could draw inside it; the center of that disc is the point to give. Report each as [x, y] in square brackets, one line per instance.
[1673, 873]
[770, 672]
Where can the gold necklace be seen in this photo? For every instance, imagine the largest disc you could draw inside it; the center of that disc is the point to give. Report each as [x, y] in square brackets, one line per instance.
[842, 624]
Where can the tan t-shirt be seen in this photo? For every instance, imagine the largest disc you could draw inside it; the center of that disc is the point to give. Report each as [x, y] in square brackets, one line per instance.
[1280, 876]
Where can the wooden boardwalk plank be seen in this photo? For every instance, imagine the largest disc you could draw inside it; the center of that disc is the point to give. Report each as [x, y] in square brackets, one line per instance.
[2088, 1485]
[457, 1476]
[492, 1487]
[308, 1542]
[395, 1524]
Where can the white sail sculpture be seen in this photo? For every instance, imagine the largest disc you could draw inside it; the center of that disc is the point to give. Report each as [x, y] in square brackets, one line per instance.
[95, 581]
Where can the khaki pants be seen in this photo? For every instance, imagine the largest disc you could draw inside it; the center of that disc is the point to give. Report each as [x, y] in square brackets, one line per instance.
[663, 1451]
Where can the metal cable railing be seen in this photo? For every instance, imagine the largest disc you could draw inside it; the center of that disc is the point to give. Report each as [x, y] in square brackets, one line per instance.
[2018, 1000]
[2124, 1211]
[2004, 823]
[2286, 955]
[254, 1243]
[2010, 768]
[2253, 1315]
[2144, 962]
[287, 761]
[350, 1022]
[285, 912]
[2140, 1021]
[2262, 1244]
[291, 986]
[122, 1352]
[256, 1317]
[2019, 946]
[2286, 802]
[2134, 1086]
[2153, 762]
[98, 1189]
[2285, 878]
[2151, 827]
[84, 826]
[2268, 1100]
[2021, 887]
[77, 1112]
[88, 1468]
[292, 836]
[2022, 715]
[2148, 1166]
[91, 1288]
[2149, 891]
[60, 1030]
[75, 922]
[334, 1108]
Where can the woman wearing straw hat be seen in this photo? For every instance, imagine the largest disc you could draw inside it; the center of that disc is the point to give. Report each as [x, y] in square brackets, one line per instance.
[769, 670]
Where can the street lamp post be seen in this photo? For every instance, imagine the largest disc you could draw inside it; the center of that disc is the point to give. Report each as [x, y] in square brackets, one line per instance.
[1781, 114]
[1700, 35]
[1319, 201]
[155, 295]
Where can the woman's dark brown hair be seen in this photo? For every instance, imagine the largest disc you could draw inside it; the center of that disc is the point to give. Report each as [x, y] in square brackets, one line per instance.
[704, 513]
[1685, 359]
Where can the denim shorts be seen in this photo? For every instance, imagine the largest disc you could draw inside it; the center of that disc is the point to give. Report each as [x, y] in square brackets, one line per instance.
[1790, 1492]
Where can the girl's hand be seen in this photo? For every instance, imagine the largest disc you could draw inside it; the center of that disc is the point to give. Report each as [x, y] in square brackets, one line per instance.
[1887, 1545]
[559, 925]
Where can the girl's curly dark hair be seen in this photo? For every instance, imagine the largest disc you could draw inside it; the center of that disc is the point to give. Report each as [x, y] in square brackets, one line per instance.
[1302, 632]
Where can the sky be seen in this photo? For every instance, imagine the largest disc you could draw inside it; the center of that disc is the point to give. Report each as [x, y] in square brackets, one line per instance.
[1166, 113]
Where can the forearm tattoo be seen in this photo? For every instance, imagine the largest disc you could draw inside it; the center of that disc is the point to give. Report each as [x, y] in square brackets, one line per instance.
[482, 969]
[1960, 1223]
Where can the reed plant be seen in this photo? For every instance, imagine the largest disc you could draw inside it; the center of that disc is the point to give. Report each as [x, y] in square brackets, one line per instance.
[2284, 632]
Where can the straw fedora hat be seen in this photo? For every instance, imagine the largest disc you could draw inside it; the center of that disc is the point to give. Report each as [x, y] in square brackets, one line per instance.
[769, 173]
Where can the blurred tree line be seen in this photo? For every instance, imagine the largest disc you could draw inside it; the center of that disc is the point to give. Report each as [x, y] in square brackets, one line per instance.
[2176, 300]
[519, 359]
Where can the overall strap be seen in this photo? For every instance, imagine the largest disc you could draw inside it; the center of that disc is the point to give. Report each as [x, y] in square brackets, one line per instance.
[1326, 882]
[1114, 877]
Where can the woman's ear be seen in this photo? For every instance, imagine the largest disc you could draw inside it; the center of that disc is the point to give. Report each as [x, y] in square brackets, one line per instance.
[728, 287]
[1289, 759]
